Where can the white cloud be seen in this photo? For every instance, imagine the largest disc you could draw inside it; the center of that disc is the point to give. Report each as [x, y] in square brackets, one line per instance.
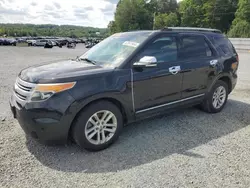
[96, 13]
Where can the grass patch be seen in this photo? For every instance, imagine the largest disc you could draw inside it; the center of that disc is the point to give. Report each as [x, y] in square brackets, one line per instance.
[22, 44]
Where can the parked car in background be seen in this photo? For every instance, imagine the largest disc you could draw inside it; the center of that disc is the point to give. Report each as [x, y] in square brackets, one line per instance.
[89, 44]
[71, 45]
[20, 40]
[62, 42]
[1, 41]
[11, 41]
[8, 41]
[49, 44]
[30, 42]
[52, 42]
[77, 41]
[125, 78]
[42, 42]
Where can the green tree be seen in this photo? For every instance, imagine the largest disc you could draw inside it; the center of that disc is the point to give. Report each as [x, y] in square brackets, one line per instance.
[133, 15]
[208, 13]
[241, 23]
[190, 12]
[166, 20]
[243, 11]
[49, 30]
[162, 6]
[240, 30]
[166, 6]
[220, 14]
[112, 27]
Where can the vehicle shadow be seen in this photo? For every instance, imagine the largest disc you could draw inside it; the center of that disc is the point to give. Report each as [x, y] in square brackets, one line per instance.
[148, 140]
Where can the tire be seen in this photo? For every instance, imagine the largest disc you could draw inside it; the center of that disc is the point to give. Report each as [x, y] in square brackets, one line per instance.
[82, 125]
[208, 105]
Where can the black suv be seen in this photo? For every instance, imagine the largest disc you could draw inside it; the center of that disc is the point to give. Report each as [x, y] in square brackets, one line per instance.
[127, 77]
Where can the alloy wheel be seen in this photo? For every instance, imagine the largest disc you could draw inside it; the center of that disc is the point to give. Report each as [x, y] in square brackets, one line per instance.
[219, 97]
[101, 127]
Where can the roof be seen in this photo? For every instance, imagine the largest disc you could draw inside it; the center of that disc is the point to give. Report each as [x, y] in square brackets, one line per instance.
[191, 29]
[206, 31]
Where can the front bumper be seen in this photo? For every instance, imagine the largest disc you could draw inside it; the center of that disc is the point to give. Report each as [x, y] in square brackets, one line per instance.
[48, 126]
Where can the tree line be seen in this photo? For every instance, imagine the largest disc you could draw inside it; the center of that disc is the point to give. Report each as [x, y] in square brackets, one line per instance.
[232, 17]
[19, 30]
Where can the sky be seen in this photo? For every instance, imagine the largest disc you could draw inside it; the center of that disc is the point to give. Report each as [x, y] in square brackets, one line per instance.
[94, 13]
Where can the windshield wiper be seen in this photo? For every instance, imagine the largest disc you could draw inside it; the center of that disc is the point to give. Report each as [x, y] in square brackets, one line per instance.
[87, 60]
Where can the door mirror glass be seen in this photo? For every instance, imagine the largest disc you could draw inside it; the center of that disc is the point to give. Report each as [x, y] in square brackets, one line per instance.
[146, 61]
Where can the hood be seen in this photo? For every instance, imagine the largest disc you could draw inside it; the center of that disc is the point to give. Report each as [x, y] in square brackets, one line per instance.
[60, 69]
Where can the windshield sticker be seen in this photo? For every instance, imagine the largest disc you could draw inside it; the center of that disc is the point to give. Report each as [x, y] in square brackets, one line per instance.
[130, 43]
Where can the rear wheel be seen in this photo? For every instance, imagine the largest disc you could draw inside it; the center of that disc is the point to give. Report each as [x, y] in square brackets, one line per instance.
[216, 98]
[98, 126]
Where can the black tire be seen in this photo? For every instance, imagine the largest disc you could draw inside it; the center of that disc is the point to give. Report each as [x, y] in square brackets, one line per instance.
[78, 131]
[207, 104]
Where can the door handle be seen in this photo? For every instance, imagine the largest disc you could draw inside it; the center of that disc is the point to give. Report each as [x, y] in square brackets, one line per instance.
[175, 69]
[214, 62]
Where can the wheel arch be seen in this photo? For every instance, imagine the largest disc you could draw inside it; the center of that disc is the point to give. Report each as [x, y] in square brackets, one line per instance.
[228, 81]
[225, 77]
[114, 101]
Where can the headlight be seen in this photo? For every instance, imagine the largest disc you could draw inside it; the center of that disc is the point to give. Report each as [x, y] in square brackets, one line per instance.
[45, 91]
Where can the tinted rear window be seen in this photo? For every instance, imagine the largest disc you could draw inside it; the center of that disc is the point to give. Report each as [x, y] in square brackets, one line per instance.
[223, 45]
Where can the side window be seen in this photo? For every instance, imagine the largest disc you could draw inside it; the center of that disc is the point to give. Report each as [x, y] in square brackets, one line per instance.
[164, 49]
[223, 45]
[194, 46]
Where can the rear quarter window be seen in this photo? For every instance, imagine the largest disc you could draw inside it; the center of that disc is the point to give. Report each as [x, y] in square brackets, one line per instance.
[223, 45]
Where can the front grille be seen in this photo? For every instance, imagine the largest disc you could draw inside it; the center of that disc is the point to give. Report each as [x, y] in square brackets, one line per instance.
[20, 96]
[23, 90]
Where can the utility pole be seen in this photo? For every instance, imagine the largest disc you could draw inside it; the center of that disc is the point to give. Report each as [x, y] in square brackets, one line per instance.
[154, 21]
[155, 9]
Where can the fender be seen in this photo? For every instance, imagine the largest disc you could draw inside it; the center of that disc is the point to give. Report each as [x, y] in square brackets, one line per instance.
[126, 104]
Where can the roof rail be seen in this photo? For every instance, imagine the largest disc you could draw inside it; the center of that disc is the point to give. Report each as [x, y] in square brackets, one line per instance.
[191, 29]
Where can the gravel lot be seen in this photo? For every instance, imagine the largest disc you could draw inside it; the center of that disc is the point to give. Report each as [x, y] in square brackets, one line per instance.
[188, 148]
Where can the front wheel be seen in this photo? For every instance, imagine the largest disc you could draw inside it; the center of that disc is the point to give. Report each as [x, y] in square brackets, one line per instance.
[216, 98]
[98, 126]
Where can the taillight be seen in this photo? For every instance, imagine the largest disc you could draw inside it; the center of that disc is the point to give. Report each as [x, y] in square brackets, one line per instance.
[235, 64]
[237, 58]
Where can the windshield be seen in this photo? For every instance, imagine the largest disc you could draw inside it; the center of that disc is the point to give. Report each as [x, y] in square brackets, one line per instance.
[112, 51]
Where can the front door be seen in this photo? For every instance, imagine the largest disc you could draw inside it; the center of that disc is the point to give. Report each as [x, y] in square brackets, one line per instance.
[154, 87]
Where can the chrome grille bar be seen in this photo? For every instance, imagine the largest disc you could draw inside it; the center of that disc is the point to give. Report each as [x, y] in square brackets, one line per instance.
[23, 90]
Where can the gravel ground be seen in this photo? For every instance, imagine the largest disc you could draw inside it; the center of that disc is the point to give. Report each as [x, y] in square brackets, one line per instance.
[188, 148]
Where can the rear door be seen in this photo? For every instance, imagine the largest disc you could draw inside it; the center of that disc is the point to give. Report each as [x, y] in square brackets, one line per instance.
[198, 64]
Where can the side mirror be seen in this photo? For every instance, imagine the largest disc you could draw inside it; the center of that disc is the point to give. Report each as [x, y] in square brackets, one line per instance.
[146, 62]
